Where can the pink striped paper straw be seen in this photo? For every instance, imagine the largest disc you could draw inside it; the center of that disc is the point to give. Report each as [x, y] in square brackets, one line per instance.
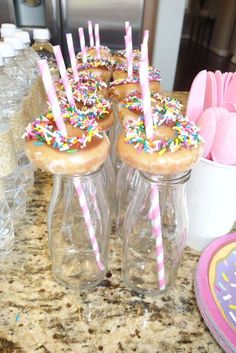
[147, 108]
[157, 232]
[63, 73]
[144, 53]
[129, 56]
[71, 51]
[126, 27]
[82, 44]
[145, 36]
[129, 35]
[51, 94]
[88, 221]
[90, 30]
[97, 40]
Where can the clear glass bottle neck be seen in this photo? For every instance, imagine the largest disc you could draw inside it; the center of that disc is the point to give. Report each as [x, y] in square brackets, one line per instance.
[174, 179]
[78, 177]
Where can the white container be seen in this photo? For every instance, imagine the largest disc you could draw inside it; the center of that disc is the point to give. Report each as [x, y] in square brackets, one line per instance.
[211, 200]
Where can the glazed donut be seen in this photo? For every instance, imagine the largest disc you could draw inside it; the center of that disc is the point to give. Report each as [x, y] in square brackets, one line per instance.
[101, 68]
[132, 107]
[88, 103]
[120, 56]
[100, 111]
[121, 71]
[49, 150]
[174, 148]
[122, 88]
[85, 84]
[105, 53]
[90, 109]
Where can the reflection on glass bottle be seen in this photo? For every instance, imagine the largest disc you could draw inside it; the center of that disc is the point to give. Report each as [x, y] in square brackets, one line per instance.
[127, 180]
[140, 243]
[74, 257]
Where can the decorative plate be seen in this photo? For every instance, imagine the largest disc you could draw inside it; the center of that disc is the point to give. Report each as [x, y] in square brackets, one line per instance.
[215, 289]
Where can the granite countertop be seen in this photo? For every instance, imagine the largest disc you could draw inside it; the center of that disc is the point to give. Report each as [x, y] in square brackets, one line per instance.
[39, 315]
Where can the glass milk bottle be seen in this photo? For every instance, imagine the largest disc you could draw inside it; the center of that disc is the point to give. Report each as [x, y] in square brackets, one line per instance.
[155, 230]
[79, 228]
[127, 179]
[109, 183]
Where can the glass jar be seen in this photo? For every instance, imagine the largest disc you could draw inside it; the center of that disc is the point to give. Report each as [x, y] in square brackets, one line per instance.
[127, 180]
[153, 245]
[109, 183]
[79, 228]
[115, 132]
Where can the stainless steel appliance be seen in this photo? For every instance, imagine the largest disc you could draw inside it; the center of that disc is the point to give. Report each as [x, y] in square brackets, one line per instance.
[65, 16]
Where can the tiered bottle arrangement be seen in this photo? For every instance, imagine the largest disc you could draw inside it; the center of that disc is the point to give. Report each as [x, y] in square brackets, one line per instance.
[153, 149]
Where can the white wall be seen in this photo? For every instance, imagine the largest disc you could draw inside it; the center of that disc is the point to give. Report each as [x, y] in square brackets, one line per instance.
[170, 14]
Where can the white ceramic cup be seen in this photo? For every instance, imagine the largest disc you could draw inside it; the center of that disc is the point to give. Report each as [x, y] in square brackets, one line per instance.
[211, 200]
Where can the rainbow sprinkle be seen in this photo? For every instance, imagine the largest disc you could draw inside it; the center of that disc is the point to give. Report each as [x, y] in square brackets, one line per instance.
[86, 83]
[122, 54]
[94, 63]
[185, 135]
[99, 108]
[154, 74]
[102, 47]
[43, 130]
[165, 107]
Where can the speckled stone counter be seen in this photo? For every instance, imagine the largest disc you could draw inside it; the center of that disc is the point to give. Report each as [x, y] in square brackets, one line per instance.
[39, 315]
